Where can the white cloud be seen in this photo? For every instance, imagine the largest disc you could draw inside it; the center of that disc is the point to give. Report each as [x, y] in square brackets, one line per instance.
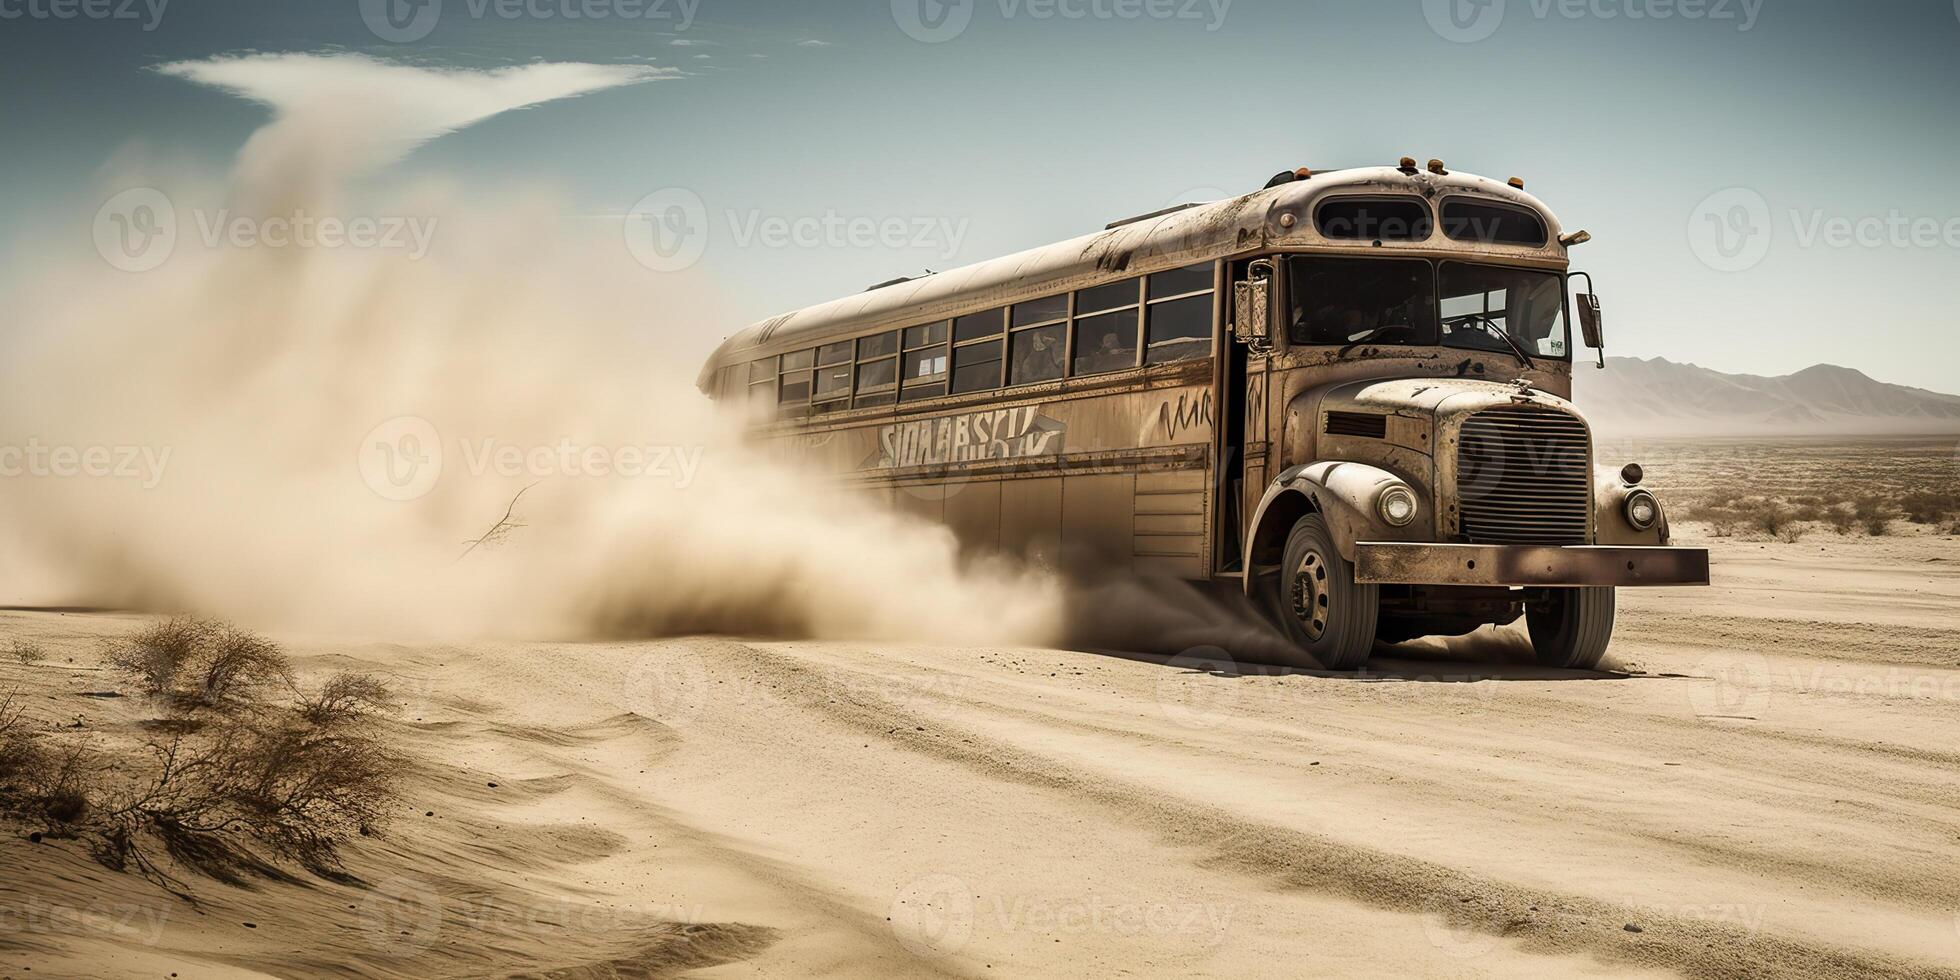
[812, 43]
[342, 115]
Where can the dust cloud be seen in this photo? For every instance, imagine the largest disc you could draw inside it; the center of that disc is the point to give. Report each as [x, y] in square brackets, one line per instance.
[252, 429]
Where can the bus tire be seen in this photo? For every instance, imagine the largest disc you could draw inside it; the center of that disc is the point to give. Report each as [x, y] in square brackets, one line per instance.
[1319, 604]
[1571, 627]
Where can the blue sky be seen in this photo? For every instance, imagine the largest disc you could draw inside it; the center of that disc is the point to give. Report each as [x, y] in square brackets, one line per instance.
[1045, 119]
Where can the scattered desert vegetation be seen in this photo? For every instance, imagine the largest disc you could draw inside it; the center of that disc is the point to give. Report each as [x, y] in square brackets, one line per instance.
[1733, 511]
[26, 654]
[237, 773]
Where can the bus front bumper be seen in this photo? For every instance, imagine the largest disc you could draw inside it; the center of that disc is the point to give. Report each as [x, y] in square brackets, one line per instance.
[1395, 563]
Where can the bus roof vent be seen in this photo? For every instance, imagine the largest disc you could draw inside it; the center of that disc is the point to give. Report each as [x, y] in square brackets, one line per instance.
[1155, 214]
[890, 282]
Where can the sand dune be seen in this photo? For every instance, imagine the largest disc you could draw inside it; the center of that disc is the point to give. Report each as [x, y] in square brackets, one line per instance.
[1764, 786]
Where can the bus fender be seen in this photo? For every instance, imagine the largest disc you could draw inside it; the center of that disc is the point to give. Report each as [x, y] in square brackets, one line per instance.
[1342, 493]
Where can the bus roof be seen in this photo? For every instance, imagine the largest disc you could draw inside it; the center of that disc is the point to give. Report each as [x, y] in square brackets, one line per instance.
[1276, 217]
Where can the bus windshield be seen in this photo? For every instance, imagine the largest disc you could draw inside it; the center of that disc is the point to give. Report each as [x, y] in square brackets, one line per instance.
[1417, 303]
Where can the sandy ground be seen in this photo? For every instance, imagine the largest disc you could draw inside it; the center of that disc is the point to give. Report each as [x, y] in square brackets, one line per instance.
[1766, 785]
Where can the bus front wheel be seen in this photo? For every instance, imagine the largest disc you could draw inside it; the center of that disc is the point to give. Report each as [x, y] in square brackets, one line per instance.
[1320, 605]
[1571, 627]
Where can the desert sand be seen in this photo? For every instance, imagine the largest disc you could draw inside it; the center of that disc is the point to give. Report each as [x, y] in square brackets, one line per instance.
[1764, 784]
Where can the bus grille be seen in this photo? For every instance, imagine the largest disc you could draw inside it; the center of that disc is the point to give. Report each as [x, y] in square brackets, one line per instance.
[1524, 476]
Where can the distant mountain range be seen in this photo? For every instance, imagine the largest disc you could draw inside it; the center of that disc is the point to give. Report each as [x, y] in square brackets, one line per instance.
[1660, 397]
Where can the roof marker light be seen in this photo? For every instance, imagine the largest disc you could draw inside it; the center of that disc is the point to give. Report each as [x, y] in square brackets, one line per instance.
[1517, 182]
[1436, 167]
[1408, 165]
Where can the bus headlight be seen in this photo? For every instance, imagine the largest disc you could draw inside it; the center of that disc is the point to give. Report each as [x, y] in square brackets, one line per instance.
[1642, 510]
[1397, 506]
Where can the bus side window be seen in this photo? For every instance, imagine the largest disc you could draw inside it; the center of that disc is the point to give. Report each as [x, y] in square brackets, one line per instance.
[923, 367]
[1177, 320]
[1106, 327]
[793, 390]
[1038, 341]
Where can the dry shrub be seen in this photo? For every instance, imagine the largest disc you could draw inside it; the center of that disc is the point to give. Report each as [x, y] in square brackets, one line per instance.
[259, 781]
[202, 663]
[1792, 532]
[1842, 516]
[239, 664]
[1929, 507]
[156, 657]
[27, 654]
[345, 697]
[297, 789]
[38, 782]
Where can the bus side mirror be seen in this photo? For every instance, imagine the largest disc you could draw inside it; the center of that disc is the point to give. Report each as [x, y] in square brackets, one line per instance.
[1252, 306]
[1589, 324]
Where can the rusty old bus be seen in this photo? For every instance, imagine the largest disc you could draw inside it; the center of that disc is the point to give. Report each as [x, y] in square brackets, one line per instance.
[1348, 393]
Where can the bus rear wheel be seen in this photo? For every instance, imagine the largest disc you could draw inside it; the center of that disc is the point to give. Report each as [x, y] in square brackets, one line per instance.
[1571, 628]
[1320, 605]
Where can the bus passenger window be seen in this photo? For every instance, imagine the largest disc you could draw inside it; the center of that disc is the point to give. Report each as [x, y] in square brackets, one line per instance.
[1037, 354]
[979, 326]
[1178, 320]
[922, 370]
[976, 367]
[833, 382]
[1107, 342]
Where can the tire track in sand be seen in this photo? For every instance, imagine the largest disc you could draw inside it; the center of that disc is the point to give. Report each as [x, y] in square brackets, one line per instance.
[1538, 921]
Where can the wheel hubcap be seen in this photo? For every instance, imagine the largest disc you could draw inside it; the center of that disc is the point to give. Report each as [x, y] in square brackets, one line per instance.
[1309, 594]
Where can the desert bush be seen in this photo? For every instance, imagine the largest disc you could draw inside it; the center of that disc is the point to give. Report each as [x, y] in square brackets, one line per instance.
[156, 657]
[297, 789]
[1792, 532]
[38, 782]
[1929, 507]
[227, 799]
[345, 697]
[1842, 516]
[202, 663]
[239, 664]
[27, 653]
